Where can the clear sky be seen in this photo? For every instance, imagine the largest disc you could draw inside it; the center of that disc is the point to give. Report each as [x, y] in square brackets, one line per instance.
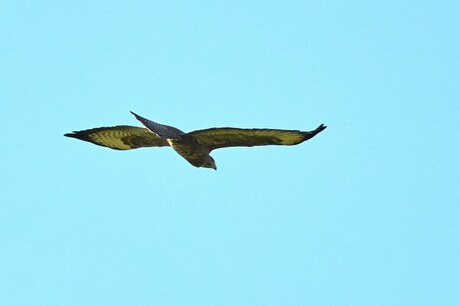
[366, 213]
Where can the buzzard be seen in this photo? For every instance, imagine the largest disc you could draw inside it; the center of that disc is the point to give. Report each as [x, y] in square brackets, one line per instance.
[193, 146]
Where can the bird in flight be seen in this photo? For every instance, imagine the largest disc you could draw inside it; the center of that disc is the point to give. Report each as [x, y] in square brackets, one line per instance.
[194, 146]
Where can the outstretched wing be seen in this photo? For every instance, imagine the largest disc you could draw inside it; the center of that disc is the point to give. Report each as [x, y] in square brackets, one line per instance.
[162, 130]
[121, 137]
[216, 138]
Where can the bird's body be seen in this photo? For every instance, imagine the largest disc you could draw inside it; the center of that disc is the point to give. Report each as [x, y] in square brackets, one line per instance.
[194, 146]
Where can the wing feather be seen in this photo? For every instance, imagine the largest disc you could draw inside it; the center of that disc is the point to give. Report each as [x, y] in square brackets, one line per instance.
[121, 137]
[216, 138]
[162, 130]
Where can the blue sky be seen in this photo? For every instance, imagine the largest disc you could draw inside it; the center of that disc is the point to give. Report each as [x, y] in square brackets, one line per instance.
[366, 213]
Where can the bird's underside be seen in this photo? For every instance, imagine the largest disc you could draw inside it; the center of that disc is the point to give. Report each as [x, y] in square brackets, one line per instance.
[193, 146]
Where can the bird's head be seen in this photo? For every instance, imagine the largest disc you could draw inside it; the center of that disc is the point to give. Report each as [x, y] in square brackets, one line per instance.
[209, 163]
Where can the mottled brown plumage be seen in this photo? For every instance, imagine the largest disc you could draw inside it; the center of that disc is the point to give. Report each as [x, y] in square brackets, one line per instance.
[194, 146]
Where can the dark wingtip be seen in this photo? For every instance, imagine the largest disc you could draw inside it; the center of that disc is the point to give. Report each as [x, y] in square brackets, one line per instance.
[320, 128]
[78, 135]
[141, 119]
[73, 134]
[313, 133]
